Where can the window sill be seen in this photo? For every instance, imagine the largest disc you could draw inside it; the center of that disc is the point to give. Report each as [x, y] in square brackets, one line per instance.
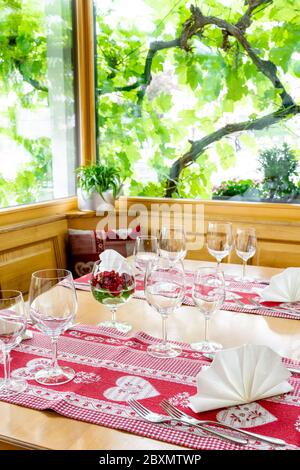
[18, 214]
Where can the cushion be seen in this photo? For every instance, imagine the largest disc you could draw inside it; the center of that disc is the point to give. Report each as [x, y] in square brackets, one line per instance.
[84, 246]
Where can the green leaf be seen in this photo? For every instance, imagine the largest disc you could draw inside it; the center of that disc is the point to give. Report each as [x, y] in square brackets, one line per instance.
[227, 154]
[193, 76]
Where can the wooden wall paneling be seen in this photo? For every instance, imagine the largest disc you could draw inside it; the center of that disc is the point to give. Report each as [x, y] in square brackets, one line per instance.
[28, 247]
[281, 255]
[277, 225]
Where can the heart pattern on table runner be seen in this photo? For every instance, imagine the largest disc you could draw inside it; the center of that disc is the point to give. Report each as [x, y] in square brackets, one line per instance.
[245, 416]
[129, 387]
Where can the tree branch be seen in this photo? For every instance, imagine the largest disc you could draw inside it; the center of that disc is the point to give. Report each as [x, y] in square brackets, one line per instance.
[199, 146]
[34, 83]
[197, 22]
[144, 81]
[246, 20]
[133, 86]
[147, 77]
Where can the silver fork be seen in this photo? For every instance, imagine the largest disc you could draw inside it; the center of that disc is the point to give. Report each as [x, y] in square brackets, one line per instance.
[151, 417]
[176, 413]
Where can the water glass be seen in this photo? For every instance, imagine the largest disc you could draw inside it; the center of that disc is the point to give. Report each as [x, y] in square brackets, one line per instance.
[53, 307]
[12, 326]
[245, 245]
[164, 292]
[145, 251]
[219, 240]
[208, 294]
[172, 244]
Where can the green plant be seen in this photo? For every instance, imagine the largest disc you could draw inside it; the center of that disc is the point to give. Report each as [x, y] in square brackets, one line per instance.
[278, 166]
[225, 58]
[234, 187]
[99, 178]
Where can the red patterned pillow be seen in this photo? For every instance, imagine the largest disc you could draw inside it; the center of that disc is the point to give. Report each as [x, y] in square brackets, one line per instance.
[84, 246]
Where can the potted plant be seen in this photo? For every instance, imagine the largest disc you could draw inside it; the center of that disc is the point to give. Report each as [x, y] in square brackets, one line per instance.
[97, 187]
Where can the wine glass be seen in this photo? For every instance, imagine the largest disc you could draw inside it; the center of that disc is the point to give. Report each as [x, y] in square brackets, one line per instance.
[53, 307]
[208, 294]
[112, 288]
[12, 326]
[245, 245]
[172, 244]
[164, 291]
[145, 251]
[219, 240]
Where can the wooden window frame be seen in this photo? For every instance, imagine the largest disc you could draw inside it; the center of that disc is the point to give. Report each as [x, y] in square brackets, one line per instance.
[85, 111]
[85, 81]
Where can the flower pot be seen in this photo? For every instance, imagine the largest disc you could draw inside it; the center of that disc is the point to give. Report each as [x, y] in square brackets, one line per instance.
[104, 202]
[85, 200]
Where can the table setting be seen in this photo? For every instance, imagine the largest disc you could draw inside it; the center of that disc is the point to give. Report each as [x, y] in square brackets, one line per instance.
[198, 395]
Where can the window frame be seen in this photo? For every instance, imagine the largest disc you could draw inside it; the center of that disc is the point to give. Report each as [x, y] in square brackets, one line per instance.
[83, 44]
[85, 96]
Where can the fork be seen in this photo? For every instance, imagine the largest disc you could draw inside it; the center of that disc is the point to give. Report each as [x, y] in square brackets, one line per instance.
[176, 413]
[151, 417]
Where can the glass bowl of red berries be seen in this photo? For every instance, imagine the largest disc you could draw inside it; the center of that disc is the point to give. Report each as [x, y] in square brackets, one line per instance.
[112, 288]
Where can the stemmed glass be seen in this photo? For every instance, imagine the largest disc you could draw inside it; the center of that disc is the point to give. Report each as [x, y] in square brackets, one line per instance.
[164, 291]
[245, 245]
[172, 244]
[112, 288]
[208, 294]
[219, 240]
[12, 326]
[53, 307]
[145, 251]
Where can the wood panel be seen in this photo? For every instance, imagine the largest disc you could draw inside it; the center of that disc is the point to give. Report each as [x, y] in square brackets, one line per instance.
[277, 225]
[282, 255]
[29, 246]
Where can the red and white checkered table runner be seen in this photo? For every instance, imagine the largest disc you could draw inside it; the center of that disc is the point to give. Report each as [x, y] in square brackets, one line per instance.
[112, 368]
[236, 290]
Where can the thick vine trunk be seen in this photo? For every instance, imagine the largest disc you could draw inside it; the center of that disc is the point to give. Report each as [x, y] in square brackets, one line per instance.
[199, 146]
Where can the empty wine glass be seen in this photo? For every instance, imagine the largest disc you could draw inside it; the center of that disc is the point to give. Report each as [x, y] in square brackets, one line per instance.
[12, 326]
[245, 245]
[145, 251]
[112, 289]
[53, 307]
[219, 240]
[172, 244]
[208, 294]
[164, 291]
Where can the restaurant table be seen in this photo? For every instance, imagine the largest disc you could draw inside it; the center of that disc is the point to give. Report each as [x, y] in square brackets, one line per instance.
[24, 428]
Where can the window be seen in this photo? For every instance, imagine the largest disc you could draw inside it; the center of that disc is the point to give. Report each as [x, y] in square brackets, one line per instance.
[37, 117]
[187, 109]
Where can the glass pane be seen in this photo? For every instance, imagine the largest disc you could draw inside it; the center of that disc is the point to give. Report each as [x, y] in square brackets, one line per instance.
[161, 99]
[37, 118]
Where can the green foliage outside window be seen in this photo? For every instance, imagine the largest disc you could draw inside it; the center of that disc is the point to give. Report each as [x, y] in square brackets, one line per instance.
[233, 84]
[228, 86]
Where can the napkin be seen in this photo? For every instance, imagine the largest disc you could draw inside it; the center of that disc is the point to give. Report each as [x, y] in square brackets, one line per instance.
[111, 260]
[240, 375]
[284, 287]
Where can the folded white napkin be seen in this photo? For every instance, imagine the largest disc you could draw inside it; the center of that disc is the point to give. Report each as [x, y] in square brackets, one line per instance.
[112, 260]
[284, 287]
[240, 375]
